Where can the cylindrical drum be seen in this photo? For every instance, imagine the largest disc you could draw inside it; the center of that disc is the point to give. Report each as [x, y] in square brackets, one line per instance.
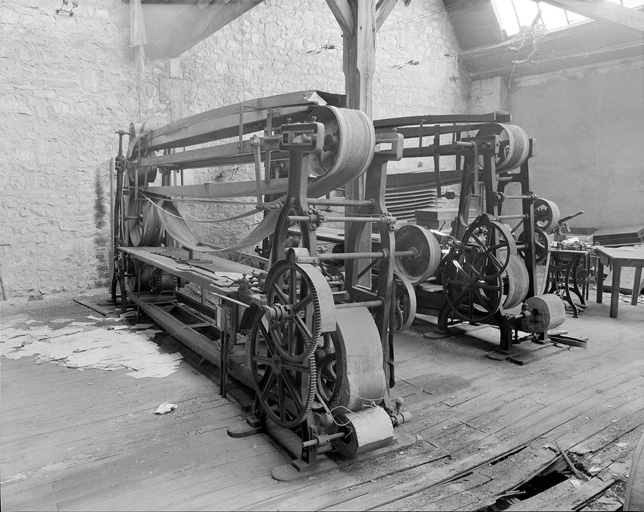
[514, 144]
[545, 312]
[359, 374]
[423, 265]
[349, 144]
[515, 282]
[367, 430]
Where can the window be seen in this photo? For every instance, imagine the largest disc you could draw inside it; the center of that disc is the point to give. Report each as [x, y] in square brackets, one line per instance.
[514, 14]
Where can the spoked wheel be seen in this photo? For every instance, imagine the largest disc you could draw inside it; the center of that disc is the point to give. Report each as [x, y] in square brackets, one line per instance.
[298, 299]
[490, 245]
[472, 297]
[285, 389]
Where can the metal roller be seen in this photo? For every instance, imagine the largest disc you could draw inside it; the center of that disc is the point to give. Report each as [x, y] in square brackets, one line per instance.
[514, 144]
[543, 313]
[366, 430]
[421, 267]
[515, 282]
[349, 143]
[359, 361]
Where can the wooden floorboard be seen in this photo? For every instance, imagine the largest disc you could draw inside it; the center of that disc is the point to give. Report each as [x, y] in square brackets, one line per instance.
[89, 440]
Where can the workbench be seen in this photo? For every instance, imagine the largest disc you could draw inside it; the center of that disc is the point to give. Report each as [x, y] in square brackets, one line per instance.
[618, 257]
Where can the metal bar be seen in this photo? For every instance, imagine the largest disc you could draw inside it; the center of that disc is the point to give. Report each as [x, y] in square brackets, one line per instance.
[313, 218]
[352, 255]
[368, 304]
[341, 202]
[395, 122]
[511, 217]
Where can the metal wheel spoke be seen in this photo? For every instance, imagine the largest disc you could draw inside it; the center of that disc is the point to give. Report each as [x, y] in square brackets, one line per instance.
[270, 343]
[297, 399]
[303, 303]
[280, 397]
[303, 329]
[296, 367]
[482, 300]
[270, 379]
[278, 291]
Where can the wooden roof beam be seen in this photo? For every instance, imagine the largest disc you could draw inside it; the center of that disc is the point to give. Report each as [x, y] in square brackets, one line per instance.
[383, 10]
[603, 10]
[343, 15]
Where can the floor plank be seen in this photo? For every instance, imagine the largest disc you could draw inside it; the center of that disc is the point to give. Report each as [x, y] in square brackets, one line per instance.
[89, 440]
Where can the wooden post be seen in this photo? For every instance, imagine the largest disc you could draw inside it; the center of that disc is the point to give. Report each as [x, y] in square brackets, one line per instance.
[359, 20]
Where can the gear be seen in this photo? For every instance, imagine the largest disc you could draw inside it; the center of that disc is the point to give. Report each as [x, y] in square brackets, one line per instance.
[285, 389]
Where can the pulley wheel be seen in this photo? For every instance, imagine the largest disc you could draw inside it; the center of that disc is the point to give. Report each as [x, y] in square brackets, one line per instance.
[471, 297]
[139, 276]
[515, 282]
[300, 301]
[349, 142]
[285, 389]
[143, 223]
[540, 245]
[421, 267]
[546, 214]
[404, 304]
[514, 144]
[490, 245]
[137, 131]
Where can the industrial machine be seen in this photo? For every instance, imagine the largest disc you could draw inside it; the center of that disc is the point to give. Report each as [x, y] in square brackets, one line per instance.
[484, 269]
[309, 326]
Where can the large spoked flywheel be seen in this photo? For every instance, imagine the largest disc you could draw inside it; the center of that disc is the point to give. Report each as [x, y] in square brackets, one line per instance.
[490, 246]
[285, 389]
[472, 295]
[300, 307]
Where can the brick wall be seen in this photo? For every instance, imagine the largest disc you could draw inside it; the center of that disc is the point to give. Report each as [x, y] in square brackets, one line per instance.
[70, 83]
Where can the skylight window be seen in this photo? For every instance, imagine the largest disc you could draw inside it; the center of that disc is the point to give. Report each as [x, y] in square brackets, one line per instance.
[515, 14]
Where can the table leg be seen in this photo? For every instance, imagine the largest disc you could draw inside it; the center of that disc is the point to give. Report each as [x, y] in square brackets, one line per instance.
[636, 285]
[614, 291]
[600, 281]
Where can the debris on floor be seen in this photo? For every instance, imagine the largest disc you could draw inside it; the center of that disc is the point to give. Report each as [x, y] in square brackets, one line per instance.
[85, 347]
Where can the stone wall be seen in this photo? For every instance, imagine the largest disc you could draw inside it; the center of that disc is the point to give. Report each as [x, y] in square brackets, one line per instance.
[588, 124]
[70, 82]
